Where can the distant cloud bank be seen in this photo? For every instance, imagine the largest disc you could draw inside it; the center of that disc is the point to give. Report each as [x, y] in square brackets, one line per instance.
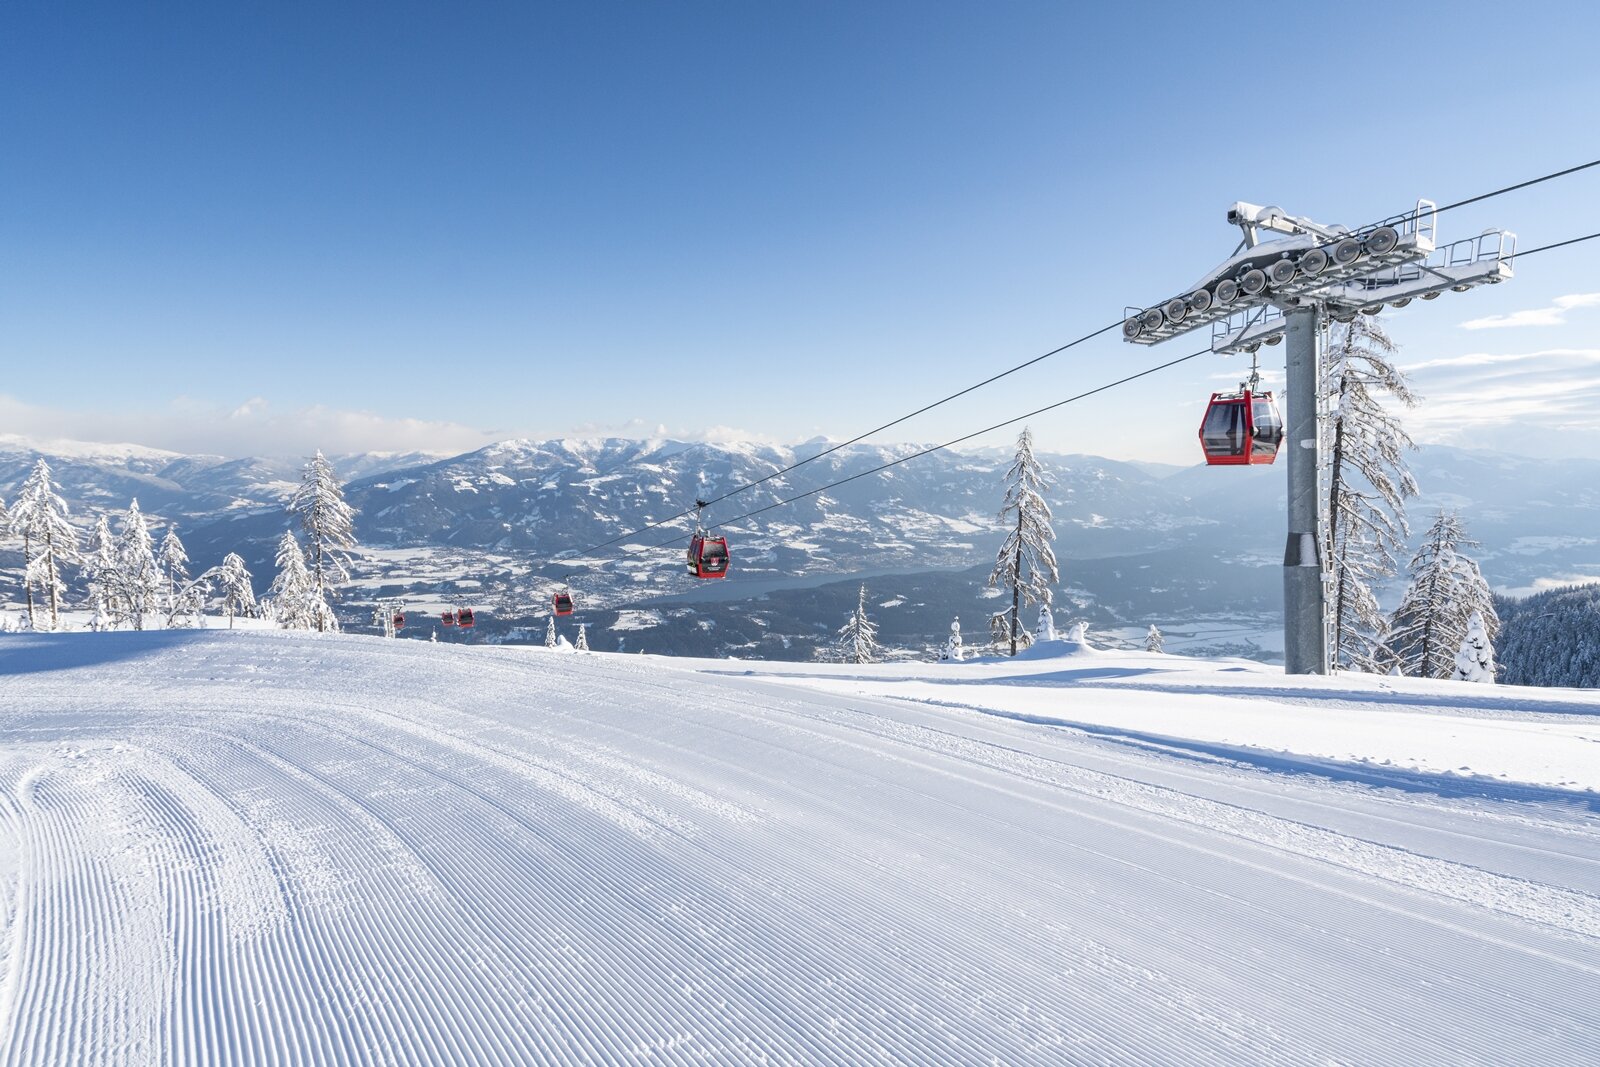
[254, 427]
[1554, 315]
[251, 428]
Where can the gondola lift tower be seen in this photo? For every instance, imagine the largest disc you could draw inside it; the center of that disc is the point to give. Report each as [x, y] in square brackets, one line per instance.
[1285, 281]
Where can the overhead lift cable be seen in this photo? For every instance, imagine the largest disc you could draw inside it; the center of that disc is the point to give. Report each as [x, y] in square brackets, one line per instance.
[1519, 185]
[854, 440]
[574, 553]
[947, 444]
[1013, 421]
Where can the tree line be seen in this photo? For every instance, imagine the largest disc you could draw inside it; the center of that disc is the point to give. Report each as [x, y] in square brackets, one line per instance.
[130, 581]
[1551, 638]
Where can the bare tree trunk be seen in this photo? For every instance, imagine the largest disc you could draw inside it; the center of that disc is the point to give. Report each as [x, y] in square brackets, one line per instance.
[320, 593]
[1016, 585]
[1335, 559]
[1427, 627]
[27, 558]
[50, 561]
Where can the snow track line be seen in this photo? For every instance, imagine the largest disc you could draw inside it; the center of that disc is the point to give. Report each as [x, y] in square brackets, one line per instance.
[874, 935]
[1517, 897]
[516, 817]
[1554, 1020]
[767, 715]
[1362, 897]
[575, 1008]
[1582, 841]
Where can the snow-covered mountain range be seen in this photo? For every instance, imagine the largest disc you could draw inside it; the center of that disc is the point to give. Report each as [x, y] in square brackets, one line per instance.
[511, 521]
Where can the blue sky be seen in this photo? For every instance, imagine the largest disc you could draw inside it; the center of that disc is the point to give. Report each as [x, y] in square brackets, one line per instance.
[272, 227]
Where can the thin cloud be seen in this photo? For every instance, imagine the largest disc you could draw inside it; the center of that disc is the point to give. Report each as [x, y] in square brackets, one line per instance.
[1554, 315]
[1485, 359]
[643, 430]
[1545, 402]
[1541, 585]
[251, 428]
[254, 428]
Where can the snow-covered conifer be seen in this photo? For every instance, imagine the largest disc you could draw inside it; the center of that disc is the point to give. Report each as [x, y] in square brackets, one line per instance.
[49, 541]
[296, 602]
[100, 570]
[328, 523]
[233, 585]
[1430, 623]
[1368, 484]
[1025, 562]
[550, 633]
[858, 637]
[138, 591]
[174, 565]
[1155, 640]
[1475, 660]
[952, 649]
[583, 638]
[1047, 625]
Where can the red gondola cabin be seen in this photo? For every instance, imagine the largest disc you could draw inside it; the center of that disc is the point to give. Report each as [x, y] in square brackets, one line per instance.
[708, 556]
[464, 619]
[562, 603]
[447, 618]
[399, 621]
[1240, 429]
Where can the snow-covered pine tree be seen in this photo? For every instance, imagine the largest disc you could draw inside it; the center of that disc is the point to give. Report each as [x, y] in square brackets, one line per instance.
[174, 565]
[233, 585]
[1368, 484]
[550, 633]
[1155, 640]
[328, 523]
[1025, 562]
[1430, 623]
[138, 575]
[1475, 660]
[858, 637]
[1047, 625]
[952, 649]
[285, 599]
[296, 602]
[100, 570]
[583, 638]
[49, 540]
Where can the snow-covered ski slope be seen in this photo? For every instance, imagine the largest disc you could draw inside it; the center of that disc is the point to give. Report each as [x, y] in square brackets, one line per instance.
[268, 848]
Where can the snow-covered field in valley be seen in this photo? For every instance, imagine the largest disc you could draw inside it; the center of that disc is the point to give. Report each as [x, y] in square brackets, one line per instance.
[262, 847]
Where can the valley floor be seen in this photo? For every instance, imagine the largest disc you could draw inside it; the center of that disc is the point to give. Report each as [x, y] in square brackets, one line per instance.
[273, 848]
